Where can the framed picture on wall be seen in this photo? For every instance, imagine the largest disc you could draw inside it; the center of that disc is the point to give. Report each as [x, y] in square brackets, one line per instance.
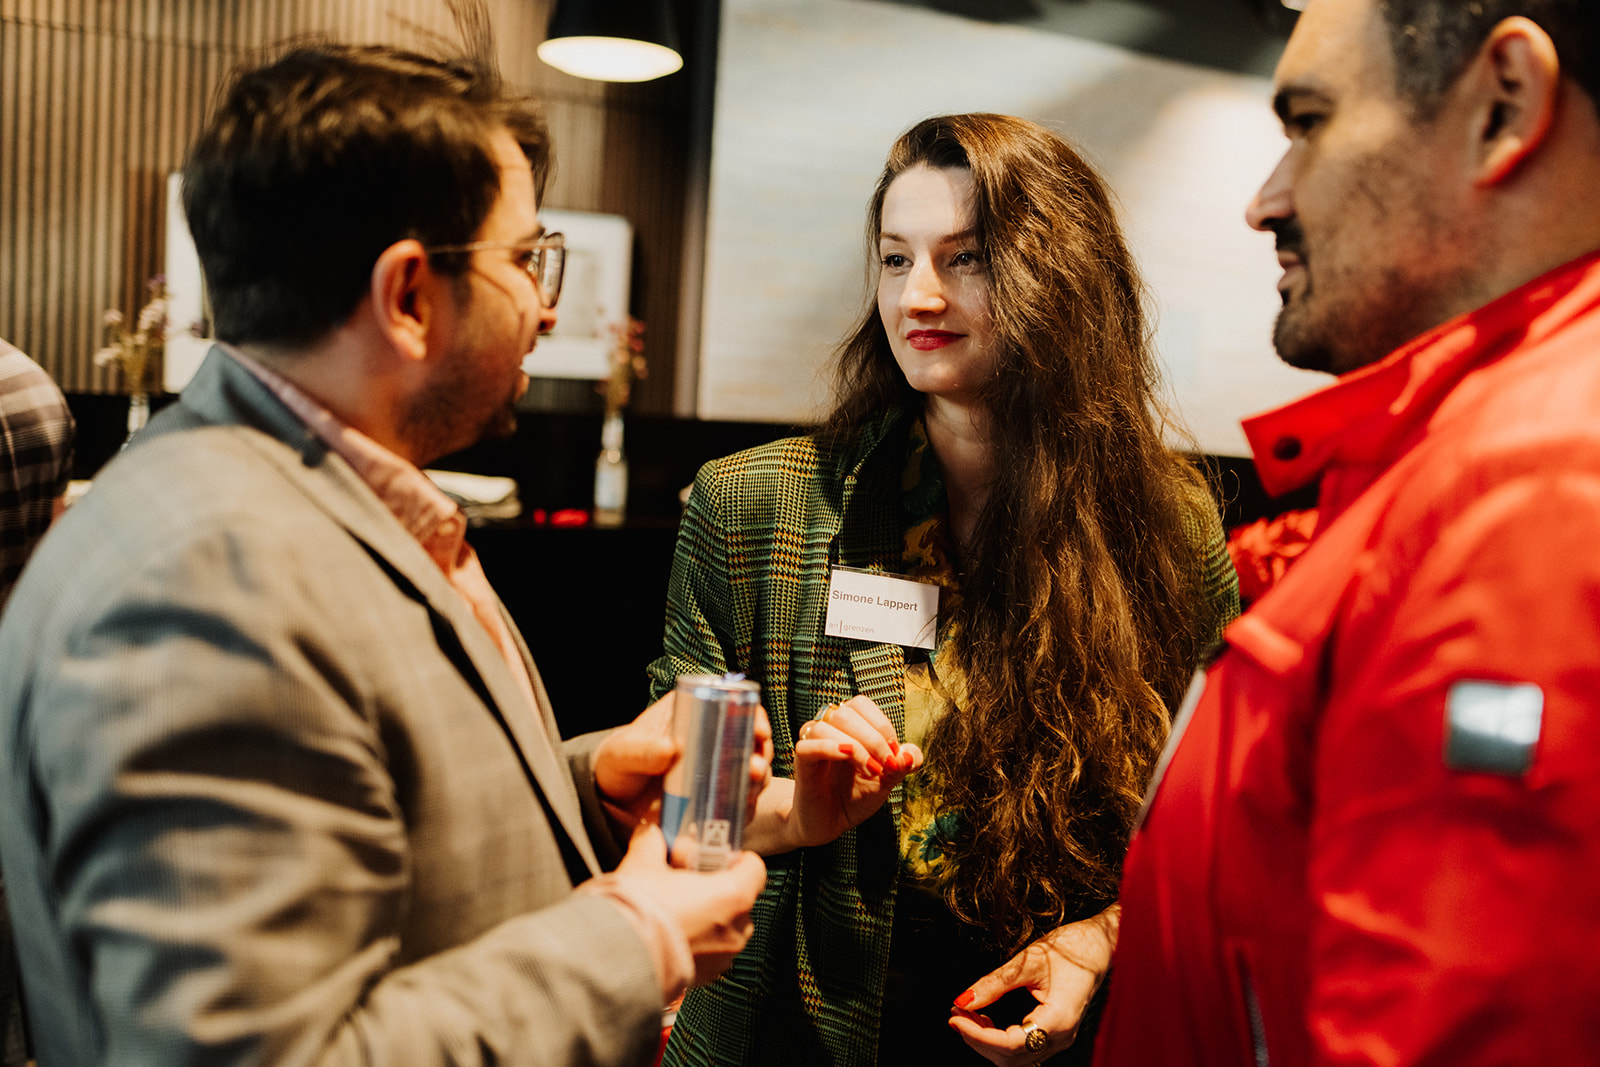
[188, 314]
[594, 295]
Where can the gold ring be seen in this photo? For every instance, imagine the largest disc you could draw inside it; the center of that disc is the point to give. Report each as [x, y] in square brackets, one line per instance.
[1034, 1037]
[805, 729]
[822, 716]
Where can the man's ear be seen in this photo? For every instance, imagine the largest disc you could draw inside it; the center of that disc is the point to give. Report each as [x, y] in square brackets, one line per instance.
[404, 290]
[1521, 78]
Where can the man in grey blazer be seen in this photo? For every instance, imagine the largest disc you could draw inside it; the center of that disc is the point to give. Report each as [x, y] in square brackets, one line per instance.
[280, 782]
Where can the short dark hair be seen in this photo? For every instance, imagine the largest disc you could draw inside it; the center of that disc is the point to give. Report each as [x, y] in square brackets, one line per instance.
[316, 162]
[1433, 40]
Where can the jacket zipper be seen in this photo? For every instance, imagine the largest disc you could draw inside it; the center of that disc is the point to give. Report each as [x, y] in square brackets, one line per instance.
[1252, 1010]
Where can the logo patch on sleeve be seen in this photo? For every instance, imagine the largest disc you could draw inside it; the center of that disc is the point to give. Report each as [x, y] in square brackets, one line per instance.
[1492, 727]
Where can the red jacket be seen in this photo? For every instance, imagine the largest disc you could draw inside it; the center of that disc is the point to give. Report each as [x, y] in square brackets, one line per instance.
[1378, 839]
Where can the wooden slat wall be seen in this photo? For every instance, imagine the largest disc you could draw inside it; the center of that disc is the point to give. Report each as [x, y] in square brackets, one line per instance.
[100, 98]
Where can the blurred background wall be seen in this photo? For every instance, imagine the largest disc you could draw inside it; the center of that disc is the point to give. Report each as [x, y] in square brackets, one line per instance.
[100, 98]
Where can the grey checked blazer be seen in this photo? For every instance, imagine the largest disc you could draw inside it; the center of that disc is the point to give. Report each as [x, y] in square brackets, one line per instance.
[269, 792]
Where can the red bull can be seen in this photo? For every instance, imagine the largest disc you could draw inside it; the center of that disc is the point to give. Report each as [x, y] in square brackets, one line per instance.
[704, 795]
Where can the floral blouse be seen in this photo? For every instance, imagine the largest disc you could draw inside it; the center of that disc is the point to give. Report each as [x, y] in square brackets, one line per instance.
[931, 686]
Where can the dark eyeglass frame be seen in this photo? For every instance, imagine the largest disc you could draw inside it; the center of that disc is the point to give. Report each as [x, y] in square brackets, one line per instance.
[547, 264]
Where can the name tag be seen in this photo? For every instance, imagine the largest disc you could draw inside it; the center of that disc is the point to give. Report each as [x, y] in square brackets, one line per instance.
[877, 607]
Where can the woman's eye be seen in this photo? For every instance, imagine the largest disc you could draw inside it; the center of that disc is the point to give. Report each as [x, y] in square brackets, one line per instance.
[895, 261]
[524, 258]
[966, 261]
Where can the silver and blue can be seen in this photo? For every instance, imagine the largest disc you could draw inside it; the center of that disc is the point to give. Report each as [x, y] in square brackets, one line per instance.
[704, 795]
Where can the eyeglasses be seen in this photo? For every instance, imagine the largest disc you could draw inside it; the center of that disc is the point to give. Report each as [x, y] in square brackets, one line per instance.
[546, 265]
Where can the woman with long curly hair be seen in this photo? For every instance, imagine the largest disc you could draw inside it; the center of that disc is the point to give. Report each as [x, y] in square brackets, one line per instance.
[997, 434]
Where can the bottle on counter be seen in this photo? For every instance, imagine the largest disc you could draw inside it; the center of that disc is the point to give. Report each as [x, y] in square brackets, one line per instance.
[611, 475]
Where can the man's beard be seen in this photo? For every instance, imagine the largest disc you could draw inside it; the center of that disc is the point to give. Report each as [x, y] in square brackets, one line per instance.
[1298, 346]
[1299, 343]
[1347, 318]
[435, 422]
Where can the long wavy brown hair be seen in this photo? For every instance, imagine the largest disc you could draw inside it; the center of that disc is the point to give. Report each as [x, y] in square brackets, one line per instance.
[1082, 612]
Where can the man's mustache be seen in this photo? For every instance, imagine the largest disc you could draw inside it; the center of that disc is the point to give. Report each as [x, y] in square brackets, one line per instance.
[1290, 237]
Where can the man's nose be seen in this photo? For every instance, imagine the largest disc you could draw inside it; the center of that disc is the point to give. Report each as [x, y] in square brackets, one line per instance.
[1274, 201]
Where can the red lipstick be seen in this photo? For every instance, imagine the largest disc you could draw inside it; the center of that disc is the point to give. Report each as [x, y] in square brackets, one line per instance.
[928, 340]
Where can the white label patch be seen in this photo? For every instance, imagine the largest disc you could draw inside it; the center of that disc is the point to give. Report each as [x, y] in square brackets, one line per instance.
[877, 607]
[1492, 726]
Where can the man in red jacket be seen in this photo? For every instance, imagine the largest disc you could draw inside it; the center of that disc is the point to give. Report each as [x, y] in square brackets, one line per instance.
[1376, 839]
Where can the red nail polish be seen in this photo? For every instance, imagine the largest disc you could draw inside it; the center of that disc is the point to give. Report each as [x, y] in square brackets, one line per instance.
[874, 766]
[894, 747]
[847, 750]
[966, 998]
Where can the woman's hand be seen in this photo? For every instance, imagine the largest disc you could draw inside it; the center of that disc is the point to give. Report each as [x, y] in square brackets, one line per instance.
[1062, 970]
[846, 762]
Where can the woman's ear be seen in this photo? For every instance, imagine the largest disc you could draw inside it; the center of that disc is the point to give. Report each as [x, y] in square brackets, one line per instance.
[1521, 85]
[403, 294]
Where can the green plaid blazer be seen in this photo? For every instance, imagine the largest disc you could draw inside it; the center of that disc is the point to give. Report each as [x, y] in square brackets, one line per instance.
[748, 593]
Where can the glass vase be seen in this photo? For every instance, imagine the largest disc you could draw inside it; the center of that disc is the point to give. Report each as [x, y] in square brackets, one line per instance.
[138, 414]
[611, 475]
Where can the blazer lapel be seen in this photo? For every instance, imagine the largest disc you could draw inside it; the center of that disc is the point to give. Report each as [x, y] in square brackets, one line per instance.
[537, 742]
[870, 538]
[224, 392]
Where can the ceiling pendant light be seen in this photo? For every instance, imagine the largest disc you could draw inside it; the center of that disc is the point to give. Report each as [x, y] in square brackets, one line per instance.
[612, 40]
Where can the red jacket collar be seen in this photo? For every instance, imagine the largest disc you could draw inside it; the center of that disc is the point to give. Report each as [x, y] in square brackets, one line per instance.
[1350, 432]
